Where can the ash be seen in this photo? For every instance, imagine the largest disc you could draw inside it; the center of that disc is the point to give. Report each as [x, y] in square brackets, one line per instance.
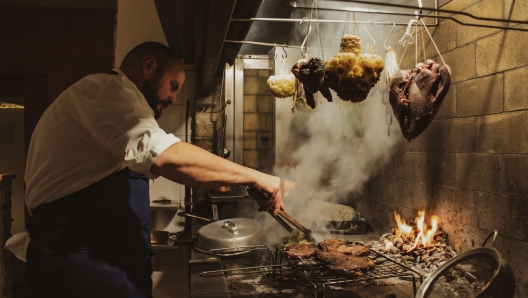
[424, 260]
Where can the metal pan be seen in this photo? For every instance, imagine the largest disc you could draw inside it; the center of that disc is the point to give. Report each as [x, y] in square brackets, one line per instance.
[501, 284]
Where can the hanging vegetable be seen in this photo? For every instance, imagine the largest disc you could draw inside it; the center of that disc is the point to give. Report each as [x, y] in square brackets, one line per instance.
[311, 73]
[350, 73]
[282, 85]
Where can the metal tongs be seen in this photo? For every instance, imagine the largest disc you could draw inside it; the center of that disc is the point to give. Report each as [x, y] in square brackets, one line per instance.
[282, 218]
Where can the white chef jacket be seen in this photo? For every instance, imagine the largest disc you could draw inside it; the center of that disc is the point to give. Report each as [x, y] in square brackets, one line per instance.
[98, 126]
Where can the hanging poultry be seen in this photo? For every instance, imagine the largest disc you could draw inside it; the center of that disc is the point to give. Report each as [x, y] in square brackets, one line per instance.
[416, 95]
[311, 73]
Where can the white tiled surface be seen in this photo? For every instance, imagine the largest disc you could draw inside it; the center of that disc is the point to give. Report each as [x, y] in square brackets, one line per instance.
[173, 120]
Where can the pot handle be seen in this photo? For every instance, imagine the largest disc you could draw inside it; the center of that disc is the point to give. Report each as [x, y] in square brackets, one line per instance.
[494, 234]
[231, 227]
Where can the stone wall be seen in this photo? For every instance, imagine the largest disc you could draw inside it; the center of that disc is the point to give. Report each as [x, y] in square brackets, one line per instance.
[258, 121]
[470, 167]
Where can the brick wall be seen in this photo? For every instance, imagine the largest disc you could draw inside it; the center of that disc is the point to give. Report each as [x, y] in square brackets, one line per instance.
[258, 121]
[470, 166]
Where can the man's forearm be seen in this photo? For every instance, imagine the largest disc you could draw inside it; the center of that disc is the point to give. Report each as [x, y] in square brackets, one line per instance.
[190, 165]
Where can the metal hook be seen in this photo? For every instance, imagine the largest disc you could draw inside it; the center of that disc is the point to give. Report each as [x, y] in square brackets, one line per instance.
[390, 34]
[285, 53]
[275, 47]
[373, 40]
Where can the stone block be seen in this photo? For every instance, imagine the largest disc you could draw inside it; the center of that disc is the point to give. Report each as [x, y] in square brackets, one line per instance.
[255, 86]
[462, 63]
[503, 213]
[458, 5]
[443, 37]
[251, 158]
[250, 140]
[250, 104]
[451, 135]
[208, 131]
[503, 133]
[208, 144]
[516, 10]
[439, 168]
[448, 107]
[464, 238]
[404, 165]
[270, 122]
[265, 103]
[207, 118]
[250, 72]
[421, 196]
[515, 175]
[264, 140]
[486, 9]
[500, 52]
[514, 253]
[255, 122]
[264, 73]
[479, 172]
[455, 206]
[516, 89]
[520, 291]
[480, 96]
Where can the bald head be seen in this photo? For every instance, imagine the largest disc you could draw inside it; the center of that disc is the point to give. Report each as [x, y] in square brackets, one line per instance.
[157, 72]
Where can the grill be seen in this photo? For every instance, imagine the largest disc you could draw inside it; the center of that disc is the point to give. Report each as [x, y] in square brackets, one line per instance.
[315, 275]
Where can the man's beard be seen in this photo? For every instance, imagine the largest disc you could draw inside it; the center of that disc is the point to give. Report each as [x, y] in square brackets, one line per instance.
[150, 91]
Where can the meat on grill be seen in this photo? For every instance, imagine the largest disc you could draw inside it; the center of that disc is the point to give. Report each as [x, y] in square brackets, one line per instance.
[311, 73]
[330, 244]
[300, 251]
[344, 265]
[416, 95]
[339, 246]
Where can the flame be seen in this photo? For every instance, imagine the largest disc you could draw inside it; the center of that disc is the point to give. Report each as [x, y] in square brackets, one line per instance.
[402, 228]
[425, 235]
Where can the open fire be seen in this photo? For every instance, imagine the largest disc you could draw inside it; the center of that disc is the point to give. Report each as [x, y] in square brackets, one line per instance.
[419, 235]
[419, 245]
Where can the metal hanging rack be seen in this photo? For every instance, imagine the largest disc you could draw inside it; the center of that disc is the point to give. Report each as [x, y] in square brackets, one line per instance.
[418, 13]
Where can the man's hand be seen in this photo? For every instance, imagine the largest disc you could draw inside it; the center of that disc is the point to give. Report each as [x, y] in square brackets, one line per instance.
[270, 185]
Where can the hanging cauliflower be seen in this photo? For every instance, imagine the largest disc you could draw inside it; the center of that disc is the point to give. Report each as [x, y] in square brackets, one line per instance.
[282, 85]
[350, 73]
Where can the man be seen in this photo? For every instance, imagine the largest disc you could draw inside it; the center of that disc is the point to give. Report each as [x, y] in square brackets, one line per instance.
[90, 159]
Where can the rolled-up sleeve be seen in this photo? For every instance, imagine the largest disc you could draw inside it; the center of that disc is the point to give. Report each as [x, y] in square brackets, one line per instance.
[120, 122]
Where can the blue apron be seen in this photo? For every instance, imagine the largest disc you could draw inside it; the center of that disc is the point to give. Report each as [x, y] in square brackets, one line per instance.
[94, 242]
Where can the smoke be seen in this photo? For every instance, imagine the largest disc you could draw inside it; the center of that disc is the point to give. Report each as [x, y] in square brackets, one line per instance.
[331, 152]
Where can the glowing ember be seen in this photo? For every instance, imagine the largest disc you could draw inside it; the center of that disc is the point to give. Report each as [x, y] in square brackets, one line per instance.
[422, 234]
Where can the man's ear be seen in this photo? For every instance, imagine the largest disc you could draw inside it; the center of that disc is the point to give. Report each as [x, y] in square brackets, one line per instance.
[148, 65]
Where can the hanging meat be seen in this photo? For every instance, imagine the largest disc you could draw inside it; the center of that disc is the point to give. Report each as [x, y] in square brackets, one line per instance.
[416, 95]
[311, 73]
[350, 73]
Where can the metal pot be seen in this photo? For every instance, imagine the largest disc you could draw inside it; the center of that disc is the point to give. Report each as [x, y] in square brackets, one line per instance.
[501, 284]
[230, 237]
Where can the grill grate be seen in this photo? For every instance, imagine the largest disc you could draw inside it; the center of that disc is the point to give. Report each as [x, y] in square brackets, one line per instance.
[316, 274]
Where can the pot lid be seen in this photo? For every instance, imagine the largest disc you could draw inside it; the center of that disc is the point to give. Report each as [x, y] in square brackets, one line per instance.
[230, 228]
